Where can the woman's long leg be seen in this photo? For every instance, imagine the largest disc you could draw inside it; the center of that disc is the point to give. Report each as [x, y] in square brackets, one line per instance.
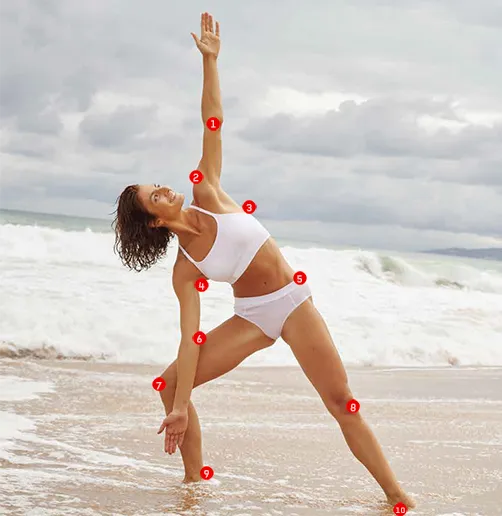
[308, 337]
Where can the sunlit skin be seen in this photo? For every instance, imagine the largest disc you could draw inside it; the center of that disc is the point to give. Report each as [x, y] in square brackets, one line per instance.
[226, 346]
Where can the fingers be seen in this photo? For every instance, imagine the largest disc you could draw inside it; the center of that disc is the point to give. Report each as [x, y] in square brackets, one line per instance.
[206, 24]
[196, 39]
[173, 440]
[162, 426]
[169, 444]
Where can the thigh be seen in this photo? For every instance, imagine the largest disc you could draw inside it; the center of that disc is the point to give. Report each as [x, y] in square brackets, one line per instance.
[308, 336]
[225, 348]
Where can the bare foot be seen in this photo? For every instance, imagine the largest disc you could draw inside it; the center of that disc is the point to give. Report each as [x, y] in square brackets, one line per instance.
[402, 497]
[189, 480]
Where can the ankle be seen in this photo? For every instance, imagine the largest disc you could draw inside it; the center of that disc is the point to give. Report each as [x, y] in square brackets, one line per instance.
[191, 478]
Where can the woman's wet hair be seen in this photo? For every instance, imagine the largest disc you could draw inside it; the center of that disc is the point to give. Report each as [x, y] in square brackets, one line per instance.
[138, 245]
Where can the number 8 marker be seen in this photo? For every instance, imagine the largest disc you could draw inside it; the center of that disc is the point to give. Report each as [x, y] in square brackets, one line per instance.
[353, 406]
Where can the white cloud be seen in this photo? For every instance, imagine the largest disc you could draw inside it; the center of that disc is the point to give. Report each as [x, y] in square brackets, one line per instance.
[93, 98]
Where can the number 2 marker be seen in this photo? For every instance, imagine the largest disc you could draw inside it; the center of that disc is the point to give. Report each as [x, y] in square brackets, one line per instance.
[196, 176]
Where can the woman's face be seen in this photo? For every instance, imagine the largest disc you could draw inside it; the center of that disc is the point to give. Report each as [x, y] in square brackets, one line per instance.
[160, 201]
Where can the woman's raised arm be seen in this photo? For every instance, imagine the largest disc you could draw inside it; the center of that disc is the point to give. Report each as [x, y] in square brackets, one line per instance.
[209, 46]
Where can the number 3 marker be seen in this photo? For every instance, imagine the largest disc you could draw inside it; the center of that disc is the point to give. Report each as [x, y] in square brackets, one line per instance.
[249, 206]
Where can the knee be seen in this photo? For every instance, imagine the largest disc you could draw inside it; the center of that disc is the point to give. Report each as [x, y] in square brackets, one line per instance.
[170, 376]
[336, 402]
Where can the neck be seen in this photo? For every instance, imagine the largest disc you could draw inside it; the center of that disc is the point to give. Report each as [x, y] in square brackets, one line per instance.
[187, 224]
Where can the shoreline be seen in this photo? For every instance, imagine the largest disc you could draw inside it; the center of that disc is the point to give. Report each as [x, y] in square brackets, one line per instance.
[80, 438]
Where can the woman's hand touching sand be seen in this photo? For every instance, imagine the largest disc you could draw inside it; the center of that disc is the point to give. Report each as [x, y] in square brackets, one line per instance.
[175, 424]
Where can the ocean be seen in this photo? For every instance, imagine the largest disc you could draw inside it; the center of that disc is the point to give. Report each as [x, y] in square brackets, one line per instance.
[82, 338]
[65, 294]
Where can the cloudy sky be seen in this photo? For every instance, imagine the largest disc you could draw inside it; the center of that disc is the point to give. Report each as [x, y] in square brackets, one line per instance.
[360, 122]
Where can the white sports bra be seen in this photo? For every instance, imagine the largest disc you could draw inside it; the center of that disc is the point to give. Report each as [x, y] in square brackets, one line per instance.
[239, 236]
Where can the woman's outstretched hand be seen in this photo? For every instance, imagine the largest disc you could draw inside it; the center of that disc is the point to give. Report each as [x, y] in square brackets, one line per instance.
[209, 42]
[175, 424]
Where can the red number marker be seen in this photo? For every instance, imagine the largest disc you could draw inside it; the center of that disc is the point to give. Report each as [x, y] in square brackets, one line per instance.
[159, 384]
[353, 406]
[201, 285]
[400, 508]
[196, 176]
[213, 123]
[300, 277]
[199, 337]
[249, 206]
[206, 472]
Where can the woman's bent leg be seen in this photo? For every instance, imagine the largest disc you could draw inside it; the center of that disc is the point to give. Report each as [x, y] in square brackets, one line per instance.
[225, 348]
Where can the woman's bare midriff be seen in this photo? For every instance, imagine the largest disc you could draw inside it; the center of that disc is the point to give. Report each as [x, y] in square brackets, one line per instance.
[267, 272]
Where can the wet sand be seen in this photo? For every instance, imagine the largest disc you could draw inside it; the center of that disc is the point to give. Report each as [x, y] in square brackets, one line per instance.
[79, 438]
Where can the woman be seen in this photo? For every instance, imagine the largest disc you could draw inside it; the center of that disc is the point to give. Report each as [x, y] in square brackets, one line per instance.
[218, 240]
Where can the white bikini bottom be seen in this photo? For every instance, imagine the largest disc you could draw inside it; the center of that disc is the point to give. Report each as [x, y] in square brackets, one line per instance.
[269, 312]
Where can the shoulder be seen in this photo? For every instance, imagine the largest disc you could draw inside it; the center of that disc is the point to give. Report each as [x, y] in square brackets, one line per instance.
[212, 197]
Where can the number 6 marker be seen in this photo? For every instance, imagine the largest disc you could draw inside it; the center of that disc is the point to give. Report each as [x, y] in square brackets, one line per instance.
[199, 338]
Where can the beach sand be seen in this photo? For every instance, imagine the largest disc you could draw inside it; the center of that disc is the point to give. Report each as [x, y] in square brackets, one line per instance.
[80, 438]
